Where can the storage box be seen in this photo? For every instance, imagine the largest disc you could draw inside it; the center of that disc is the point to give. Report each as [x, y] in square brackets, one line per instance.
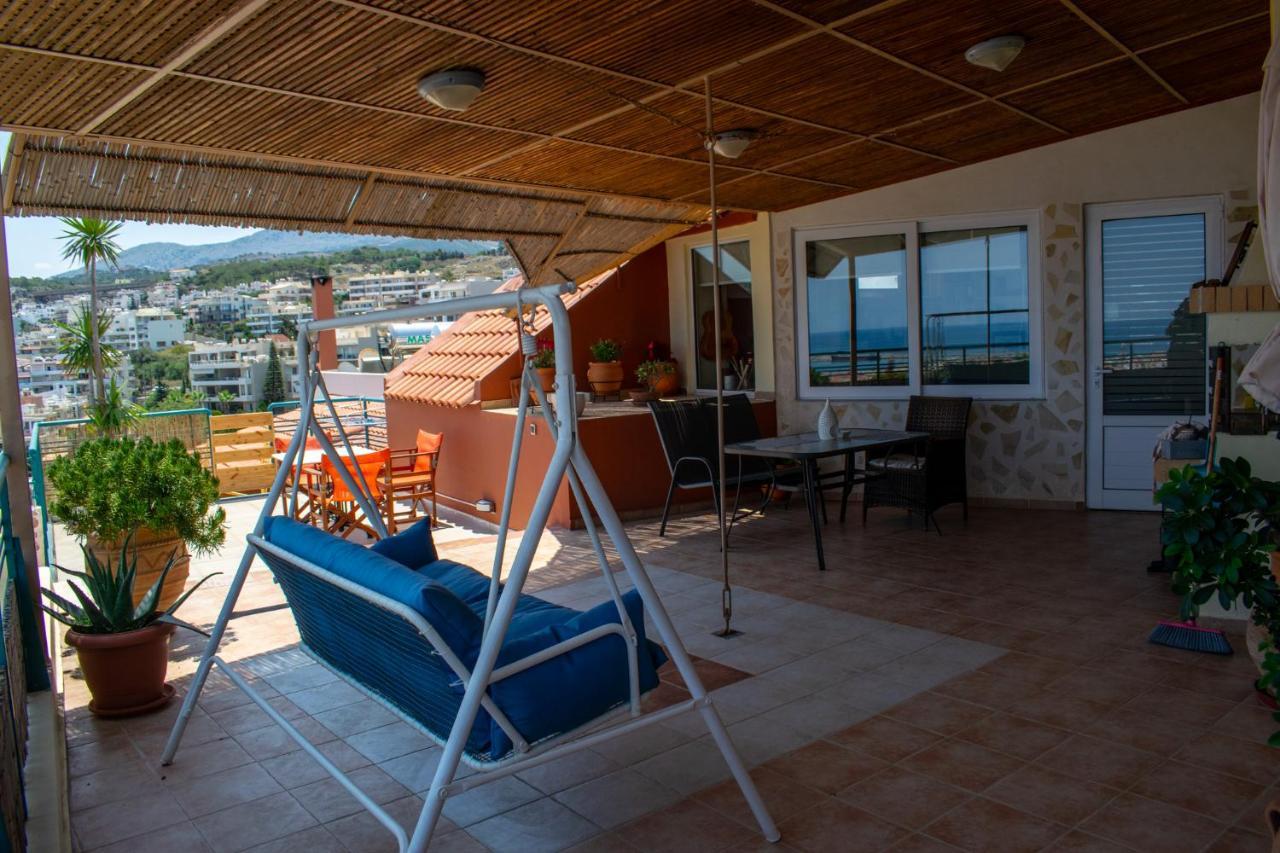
[1193, 449]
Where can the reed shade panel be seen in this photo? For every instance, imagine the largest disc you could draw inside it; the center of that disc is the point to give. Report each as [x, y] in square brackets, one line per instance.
[584, 100]
[547, 231]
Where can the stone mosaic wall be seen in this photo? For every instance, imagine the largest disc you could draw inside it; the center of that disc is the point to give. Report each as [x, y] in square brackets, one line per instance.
[1019, 451]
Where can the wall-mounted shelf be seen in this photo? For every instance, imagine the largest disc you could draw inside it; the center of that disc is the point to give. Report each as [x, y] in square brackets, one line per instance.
[1235, 298]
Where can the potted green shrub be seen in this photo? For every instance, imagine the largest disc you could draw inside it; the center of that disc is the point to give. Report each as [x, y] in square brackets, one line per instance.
[659, 376]
[604, 370]
[108, 488]
[122, 647]
[544, 364]
[1219, 530]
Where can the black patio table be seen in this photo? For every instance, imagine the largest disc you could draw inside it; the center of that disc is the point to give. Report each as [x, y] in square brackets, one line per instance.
[806, 449]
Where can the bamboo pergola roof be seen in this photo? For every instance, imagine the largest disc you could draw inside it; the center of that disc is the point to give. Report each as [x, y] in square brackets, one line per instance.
[586, 144]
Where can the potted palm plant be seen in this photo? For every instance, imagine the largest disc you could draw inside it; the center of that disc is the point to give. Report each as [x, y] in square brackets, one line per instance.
[111, 487]
[122, 646]
[81, 350]
[92, 241]
[604, 370]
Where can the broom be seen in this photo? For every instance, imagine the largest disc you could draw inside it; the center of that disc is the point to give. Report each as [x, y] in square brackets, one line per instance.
[1188, 635]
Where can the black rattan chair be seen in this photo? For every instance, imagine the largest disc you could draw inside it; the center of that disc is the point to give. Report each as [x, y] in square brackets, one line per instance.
[930, 476]
[687, 431]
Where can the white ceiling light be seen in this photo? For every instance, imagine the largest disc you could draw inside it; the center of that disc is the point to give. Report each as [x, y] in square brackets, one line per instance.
[731, 143]
[454, 90]
[995, 53]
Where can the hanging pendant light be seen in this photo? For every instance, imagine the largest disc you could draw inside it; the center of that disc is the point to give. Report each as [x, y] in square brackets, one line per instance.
[455, 89]
[995, 53]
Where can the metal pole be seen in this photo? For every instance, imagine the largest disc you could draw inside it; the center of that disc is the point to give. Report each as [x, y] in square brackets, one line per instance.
[726, 594]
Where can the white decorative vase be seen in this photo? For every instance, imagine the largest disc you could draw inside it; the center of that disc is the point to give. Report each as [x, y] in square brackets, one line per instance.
[826, 422]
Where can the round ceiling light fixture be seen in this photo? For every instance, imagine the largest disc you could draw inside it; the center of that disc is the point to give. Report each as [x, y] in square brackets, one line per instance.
[995, 53]
[730, 144]
[455, 89]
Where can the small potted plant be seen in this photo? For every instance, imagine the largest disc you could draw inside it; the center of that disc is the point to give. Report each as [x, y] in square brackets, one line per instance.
[658, 373]
[122, 647]
[604, 370]
[156, 492]
[544, 364]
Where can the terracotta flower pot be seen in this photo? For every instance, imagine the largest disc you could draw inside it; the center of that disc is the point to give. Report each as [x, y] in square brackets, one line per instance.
[665, 384]
[125, 672]
[153, 550]
[547, 379]
[605, 377]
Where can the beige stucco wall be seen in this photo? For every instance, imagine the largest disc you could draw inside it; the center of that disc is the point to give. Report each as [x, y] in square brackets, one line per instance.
[1033, 450]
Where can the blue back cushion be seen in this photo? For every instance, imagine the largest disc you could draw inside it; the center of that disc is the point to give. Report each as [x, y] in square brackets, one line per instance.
[457, 623]
[412, 548]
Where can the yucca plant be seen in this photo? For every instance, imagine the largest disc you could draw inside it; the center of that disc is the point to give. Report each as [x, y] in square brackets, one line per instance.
[106, 597]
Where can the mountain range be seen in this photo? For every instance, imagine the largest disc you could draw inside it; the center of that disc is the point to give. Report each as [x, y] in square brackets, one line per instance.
[268, 244]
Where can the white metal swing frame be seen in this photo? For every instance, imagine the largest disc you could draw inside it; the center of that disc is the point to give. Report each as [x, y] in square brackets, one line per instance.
[568, 460]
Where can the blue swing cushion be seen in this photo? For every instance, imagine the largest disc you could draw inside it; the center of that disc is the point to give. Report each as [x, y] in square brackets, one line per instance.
[384, 654]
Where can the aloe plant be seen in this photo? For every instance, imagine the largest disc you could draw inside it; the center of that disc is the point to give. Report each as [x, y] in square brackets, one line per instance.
[106, 597]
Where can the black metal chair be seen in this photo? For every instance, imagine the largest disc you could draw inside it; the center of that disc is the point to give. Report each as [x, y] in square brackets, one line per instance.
[687, 431]
[928, 477]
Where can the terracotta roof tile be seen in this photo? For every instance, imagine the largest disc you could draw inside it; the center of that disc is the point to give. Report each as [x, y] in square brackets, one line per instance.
[449, 370]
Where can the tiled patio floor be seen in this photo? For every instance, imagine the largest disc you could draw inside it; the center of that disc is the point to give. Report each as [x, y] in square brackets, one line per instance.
[989, 689]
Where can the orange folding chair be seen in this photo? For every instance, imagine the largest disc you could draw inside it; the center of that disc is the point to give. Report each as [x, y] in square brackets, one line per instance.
[338, 510]
[411, 479]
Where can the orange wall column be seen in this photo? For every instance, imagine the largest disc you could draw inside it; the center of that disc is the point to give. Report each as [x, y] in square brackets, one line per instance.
[322, 309]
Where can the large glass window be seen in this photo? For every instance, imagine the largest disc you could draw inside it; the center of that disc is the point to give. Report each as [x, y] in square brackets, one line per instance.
[857, 311]
[885, 311]
[973, 307]
[737, 332]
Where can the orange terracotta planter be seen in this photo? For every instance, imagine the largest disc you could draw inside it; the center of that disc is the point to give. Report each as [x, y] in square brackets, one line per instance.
[125, 672]
[152, 550]
[605, 377]
[666, 384]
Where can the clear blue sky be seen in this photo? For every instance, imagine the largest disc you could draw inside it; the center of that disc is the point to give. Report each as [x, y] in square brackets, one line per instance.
[34, 248]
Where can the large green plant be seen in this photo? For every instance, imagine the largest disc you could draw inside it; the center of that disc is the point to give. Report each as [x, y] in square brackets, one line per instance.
[75, 343]
[109, 487]
[106, 597]
[1219, 529]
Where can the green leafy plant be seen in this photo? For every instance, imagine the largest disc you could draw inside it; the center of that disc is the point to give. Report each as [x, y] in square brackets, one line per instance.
[89, 241]
[1219, 529]
[545, 356]
[111, 486]
[112, 414]
[106, 597]
[75, 343]
[606, 349]
[649, 372]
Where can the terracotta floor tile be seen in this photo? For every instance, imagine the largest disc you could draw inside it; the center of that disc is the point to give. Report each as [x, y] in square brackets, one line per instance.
[1100, 761]
[1142, 731]
[988, 689]
[785, 797]
[1199, 790]
[966, 765]
[686, 826]
[826, 766]
[908, 799]
[1248, 721]
[1004, 636]
[1232, 756]
[1058, 709]
[938, 713]
[838, 827]
[1183, 706]
[1096, 685]
[1147, 825]
[919, 843]
[1015, 736]
[1051, 795]
[983, 825]
[885, 738]
[1236, 840]
[1082, 842]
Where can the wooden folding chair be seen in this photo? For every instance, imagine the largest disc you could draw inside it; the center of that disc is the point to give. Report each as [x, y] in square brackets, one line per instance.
[411, 477]
[338, 510]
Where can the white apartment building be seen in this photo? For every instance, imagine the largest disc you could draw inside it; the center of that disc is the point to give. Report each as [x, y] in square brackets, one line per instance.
[145, 328]
[388, 289]
[441, 290]
[163, 295]
[240, 369]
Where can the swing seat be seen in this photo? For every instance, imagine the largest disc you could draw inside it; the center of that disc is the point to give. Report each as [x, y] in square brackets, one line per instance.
[406, 627]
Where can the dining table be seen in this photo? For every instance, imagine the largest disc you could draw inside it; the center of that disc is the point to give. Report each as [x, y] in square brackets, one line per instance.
[808, 449]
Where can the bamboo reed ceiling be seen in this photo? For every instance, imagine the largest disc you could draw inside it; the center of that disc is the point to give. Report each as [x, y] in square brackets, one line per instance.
[585, 145]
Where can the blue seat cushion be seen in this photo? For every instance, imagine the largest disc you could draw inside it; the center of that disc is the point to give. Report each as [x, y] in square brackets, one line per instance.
[412, 548]
[457, 623]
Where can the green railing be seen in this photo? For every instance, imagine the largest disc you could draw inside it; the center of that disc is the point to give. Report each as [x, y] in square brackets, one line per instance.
[51, 439]
[22, 671]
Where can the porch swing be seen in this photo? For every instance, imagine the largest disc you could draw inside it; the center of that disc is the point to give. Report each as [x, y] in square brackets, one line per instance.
[502, 680]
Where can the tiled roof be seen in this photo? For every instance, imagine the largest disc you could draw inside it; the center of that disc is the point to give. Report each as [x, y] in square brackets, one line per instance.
[449, 370]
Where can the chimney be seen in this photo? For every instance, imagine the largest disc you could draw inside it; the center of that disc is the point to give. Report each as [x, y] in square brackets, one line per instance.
[322, 309]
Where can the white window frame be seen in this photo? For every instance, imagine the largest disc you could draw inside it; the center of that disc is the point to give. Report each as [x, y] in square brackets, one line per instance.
[912, 229]
[693, 312]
